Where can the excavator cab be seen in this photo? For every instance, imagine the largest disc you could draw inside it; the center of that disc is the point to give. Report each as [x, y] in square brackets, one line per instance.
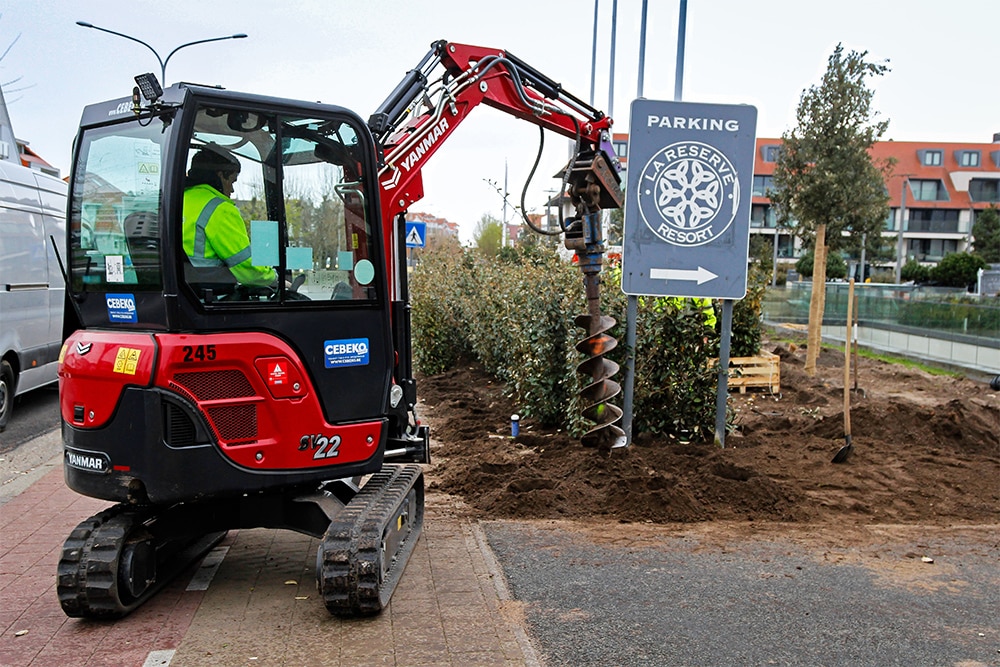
[230, 357]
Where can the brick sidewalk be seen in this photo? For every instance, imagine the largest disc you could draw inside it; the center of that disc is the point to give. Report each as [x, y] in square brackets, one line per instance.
[446, 610]
[36, 632]
[450, 607]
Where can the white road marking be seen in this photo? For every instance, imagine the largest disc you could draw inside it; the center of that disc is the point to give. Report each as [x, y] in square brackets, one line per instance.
[159, 658]
[209, 566]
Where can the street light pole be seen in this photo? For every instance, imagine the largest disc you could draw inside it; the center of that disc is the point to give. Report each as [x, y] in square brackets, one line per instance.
[899, 233]
[163, 61]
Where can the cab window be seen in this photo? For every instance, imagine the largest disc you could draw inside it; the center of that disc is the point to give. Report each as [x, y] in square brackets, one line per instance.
[114, 226]
[275, 210]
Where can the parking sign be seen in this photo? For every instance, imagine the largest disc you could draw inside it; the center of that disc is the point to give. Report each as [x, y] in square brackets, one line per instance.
[687, 203]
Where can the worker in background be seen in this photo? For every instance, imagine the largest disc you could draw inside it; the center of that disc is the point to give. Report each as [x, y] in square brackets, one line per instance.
[215, 234]
[700, 304]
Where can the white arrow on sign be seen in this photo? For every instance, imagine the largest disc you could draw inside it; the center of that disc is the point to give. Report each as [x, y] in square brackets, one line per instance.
[701, 274]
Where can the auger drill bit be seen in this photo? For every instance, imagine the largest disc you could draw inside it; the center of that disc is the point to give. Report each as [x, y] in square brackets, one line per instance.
[590, 189]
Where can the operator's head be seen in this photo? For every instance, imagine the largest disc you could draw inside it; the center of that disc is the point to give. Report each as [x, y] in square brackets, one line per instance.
[215, 167]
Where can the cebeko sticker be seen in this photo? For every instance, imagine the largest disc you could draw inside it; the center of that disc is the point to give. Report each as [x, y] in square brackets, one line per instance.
[121, 308]
[346, 352]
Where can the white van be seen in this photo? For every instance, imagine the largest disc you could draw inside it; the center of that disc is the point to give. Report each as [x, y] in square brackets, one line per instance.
[32, 228]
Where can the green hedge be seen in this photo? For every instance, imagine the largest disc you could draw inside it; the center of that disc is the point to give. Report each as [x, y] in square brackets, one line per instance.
[514, 313]
[959, 314]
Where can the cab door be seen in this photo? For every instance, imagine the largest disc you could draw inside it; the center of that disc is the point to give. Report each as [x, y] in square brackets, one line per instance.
[312, 269]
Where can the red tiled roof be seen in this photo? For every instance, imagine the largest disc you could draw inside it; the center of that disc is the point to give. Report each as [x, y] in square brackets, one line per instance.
[908, 163]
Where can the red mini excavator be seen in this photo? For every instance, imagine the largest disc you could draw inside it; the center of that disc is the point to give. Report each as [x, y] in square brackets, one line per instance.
[199, 400]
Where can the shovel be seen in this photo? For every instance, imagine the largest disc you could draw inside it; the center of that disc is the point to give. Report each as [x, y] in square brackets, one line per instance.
[845, 451]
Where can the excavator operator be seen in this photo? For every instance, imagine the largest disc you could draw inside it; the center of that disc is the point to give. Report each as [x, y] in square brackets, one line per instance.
[215, 235]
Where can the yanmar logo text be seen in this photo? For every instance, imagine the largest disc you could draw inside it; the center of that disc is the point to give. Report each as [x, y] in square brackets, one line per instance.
[89, 461]
[432, 136]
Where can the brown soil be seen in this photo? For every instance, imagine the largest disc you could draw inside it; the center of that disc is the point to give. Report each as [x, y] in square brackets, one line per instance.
[926, 450]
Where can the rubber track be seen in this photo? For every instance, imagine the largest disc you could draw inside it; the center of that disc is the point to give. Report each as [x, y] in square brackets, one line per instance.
[87, 582]
[349, 559]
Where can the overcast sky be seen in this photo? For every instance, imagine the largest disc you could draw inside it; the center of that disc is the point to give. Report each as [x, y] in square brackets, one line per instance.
[942, 85]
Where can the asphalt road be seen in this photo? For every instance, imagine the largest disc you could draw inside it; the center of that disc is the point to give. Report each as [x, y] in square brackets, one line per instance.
[35, 412]
[678, 600]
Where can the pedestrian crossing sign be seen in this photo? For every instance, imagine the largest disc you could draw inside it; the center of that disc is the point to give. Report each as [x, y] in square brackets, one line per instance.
[416, 234]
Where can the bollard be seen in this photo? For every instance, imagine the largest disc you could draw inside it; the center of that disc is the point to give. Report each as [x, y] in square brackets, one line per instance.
[515, 425]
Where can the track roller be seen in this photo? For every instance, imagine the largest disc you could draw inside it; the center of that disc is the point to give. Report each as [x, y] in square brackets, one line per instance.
[113, 562]
[363, 553]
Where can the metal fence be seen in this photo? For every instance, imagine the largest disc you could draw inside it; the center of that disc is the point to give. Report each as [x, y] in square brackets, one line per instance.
[930, 324]
[940, 312]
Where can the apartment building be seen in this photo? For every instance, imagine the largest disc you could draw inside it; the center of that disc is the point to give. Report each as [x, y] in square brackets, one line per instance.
[936, 191]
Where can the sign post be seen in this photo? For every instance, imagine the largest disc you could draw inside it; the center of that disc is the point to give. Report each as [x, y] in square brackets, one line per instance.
[687, 209]
[416, 236]
[687, 206]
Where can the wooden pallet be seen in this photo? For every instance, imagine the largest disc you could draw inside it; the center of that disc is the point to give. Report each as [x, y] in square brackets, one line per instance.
[761, 372]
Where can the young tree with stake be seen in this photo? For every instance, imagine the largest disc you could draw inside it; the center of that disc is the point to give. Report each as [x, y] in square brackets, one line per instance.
[826, 184]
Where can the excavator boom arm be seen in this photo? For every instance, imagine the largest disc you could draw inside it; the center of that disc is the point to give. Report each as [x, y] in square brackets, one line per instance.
[421, 113]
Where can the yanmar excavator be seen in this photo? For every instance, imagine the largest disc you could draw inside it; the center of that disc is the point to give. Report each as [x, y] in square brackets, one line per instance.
[200, 404]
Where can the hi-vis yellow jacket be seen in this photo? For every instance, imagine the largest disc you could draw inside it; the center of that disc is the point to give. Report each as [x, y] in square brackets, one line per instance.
[215, 235]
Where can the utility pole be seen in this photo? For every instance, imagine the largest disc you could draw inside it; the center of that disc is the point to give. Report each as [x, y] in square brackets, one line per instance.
[593, 56]
[504, 235]
[899, 233]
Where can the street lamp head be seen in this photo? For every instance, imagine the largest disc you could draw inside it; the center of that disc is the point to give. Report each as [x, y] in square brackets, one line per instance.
[162, 61]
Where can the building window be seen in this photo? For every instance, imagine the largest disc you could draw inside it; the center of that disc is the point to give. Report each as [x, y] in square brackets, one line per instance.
[930, 158]
[928, 190]
[968, 158]
[890, 221]
[985, 189]
[761, 184]
[786, 246]
[934, 220]
[763, 217]
[621, 148]
[931, 250]
[770, 153]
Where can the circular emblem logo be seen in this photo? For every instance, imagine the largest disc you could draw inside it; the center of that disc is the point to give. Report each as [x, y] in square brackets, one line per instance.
[688, 193]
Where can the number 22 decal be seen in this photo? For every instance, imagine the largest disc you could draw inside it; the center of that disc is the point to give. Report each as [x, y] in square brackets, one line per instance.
[325, 448]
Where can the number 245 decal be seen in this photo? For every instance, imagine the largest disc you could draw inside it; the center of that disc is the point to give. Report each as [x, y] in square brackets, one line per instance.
[194, 353]
[324, 447]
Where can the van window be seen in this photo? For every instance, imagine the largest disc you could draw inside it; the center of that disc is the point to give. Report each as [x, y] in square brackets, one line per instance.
[115, 207]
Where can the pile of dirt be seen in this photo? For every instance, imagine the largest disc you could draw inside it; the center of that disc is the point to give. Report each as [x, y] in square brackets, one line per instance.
[926, 450]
